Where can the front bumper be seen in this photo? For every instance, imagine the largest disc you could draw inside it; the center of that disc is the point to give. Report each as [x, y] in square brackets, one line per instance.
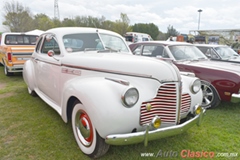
[145, 136]
[235, 98]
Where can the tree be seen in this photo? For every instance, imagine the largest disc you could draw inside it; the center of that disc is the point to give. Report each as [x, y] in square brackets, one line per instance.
[150, 29]
[108, 25]
[89, 21]
[17, 17]
[171, 32]
[122, 26]
[56, 23]
[161, 36]
[68, 22]
[42, 22]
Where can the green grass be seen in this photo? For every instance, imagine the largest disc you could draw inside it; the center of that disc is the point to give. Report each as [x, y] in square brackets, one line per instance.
[31, 130]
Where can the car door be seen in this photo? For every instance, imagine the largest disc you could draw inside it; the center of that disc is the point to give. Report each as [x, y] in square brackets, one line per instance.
[48, 69]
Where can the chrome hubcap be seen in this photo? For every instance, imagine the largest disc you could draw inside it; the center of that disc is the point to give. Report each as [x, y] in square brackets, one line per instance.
[84, 128]
[207, 95]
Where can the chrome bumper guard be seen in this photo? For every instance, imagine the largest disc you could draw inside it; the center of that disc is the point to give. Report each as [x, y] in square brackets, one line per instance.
[145, 136]
[235, 98]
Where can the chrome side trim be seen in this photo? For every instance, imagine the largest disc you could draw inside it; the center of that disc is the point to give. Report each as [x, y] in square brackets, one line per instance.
[36, 59]
[121, 81]
[109, 71]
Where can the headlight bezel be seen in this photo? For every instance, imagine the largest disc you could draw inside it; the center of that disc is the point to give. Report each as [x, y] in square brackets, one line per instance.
[127, 96]
[195, 86]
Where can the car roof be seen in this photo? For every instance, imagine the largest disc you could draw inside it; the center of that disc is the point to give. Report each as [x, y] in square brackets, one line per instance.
[72, 30]
[165, 42]
[17, 33]
[210, 45]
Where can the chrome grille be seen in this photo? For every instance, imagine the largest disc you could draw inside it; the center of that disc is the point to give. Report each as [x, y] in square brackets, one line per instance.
[185, 103]
[163, 105]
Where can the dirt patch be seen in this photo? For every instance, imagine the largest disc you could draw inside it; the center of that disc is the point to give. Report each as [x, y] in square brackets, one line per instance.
[5, 95]
[2, 85]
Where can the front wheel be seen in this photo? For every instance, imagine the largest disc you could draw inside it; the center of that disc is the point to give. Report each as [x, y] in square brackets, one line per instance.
[85, 133]
[210, 95]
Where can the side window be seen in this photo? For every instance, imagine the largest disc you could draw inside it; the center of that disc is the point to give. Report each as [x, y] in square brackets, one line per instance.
[147, 50]
[158, 51]
[50, 44]
[165, 54]
[11, 39]
[137, 50]
[38, 45]
[214, 55]
[208, 53]
[203, 49]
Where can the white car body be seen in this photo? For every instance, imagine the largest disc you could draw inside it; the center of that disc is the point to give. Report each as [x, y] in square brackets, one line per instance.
[98, 81]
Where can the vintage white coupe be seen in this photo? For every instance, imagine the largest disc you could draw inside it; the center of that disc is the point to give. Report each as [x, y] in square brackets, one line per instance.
[110, 96]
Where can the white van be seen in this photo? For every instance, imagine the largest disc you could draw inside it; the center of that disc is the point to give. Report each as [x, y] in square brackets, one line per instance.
[133, 37]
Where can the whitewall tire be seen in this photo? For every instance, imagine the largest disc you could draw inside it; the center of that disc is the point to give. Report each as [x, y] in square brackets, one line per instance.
[85, 133]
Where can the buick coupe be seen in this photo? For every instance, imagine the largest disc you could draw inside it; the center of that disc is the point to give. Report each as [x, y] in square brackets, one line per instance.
[111, 97]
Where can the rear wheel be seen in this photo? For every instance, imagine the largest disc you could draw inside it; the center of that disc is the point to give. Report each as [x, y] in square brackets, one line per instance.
[85, 133]
[210, 96]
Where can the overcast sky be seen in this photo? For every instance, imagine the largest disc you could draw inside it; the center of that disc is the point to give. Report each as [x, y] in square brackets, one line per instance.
[183, 15]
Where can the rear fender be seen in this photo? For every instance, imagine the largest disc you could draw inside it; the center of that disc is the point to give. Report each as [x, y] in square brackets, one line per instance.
[28, 74]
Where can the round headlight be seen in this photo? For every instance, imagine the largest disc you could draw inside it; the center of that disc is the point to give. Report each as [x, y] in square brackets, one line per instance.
[130, 97]
[196, 86]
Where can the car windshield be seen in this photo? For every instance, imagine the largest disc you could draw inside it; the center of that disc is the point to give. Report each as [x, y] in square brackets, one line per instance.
[93, 41]
[225, 52]
[186, 52]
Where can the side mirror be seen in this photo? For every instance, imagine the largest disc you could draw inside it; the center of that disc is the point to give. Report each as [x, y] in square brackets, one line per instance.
[50, 53]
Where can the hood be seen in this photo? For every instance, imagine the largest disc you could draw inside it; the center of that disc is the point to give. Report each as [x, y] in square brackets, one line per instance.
[235, 59]
[125, 64]
[217, 65]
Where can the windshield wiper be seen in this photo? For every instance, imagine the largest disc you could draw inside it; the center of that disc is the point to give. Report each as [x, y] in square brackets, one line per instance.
[113, 50]
[90, 49]
[108, 49]
[202, 58]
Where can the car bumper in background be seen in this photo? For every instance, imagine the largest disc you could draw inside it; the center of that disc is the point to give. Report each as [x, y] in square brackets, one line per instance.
[235, 98]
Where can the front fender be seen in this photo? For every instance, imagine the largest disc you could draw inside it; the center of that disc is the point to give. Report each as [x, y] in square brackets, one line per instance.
[101, 99]
[196, 98]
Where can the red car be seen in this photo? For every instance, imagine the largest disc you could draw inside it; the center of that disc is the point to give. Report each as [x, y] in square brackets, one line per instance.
[220, 80]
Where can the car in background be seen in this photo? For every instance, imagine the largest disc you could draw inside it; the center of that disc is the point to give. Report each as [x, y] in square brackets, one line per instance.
[219, 80]
[219, 52]
[111, 97]
[15, 49]
[133, 37]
